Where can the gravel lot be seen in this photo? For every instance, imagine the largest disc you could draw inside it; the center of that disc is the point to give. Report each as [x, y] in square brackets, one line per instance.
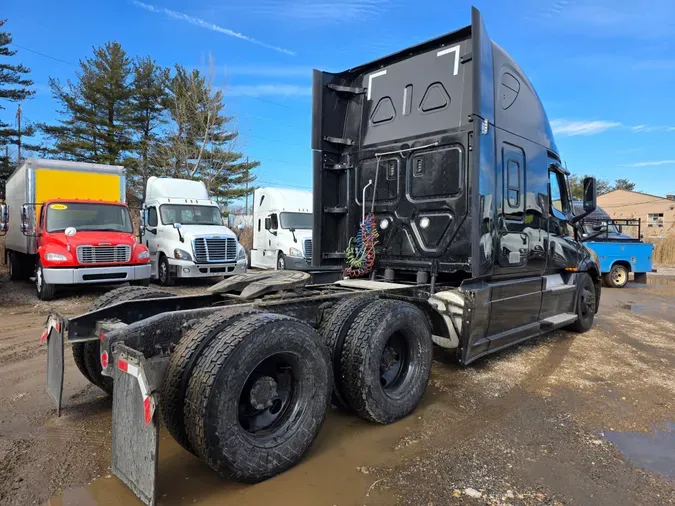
[549, 422]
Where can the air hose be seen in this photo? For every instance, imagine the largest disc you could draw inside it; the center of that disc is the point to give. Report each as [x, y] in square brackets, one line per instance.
[361, 250]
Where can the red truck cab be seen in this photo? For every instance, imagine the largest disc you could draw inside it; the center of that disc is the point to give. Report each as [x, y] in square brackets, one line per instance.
[86, 241]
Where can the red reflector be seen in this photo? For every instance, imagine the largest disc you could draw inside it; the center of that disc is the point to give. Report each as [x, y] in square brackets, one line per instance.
[101, 336]
[123, 365]
[147, 410]
[58, 326]
[104, 359]
[44, 336]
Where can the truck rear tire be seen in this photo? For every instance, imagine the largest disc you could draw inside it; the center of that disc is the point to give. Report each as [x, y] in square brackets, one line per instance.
[182, 363]
[386, 361]
[258, 397]
[45, 291]
[333, 330]
[87, 355]
[617, 277]
[585, 304]
[17, 269]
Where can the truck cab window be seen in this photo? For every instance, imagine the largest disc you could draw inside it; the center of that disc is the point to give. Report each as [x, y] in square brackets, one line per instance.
[152, 217]
[557, 196]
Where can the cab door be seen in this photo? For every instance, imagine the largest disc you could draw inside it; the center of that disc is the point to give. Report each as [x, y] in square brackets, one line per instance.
[270, 241]
[149, 237]
[563, 251]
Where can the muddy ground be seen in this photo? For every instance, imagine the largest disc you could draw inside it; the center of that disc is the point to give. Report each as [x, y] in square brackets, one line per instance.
[563, 419]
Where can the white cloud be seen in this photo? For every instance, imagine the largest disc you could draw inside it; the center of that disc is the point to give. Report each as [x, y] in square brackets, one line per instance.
[311, 10]
[572, 128]
[208, 26]
[268, 70]
[652, 128]
[656, 163]
[260, 90]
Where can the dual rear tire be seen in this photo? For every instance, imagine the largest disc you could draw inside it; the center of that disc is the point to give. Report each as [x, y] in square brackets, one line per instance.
[381, 354]
[247, 392]
[87, 355]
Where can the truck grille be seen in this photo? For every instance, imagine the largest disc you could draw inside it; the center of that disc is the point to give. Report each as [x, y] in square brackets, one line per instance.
[215, 250]
[308, 249]
[103, 254]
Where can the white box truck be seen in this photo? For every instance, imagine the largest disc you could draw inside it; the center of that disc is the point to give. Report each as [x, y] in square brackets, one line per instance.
[184, 231]
[282, 229]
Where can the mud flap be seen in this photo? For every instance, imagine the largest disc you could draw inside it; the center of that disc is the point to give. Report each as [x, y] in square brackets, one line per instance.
[54, 337]
[135, 427]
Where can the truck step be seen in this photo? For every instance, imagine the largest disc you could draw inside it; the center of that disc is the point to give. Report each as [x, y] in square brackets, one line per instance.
[558, 321]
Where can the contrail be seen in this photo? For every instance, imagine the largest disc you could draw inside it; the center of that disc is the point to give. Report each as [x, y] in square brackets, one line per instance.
[209, 26]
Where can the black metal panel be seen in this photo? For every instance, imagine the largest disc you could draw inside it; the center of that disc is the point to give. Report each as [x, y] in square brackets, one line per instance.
[135, 446]
[55, 366]
[409, 126]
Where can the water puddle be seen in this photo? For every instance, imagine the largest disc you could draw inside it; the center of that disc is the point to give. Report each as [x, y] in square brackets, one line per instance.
[337, 470]
[654, 452]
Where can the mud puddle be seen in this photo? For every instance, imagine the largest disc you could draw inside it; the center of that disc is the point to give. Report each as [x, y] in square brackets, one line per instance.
[654, 452]
[339, 469]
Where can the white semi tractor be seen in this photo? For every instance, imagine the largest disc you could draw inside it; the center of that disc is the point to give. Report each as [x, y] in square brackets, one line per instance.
[282, 229]
[184, 231]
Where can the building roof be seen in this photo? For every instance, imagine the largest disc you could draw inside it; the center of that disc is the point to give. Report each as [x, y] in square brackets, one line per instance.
[648, 196]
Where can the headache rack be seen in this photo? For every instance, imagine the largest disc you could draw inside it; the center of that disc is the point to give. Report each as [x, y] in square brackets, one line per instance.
[612, 230]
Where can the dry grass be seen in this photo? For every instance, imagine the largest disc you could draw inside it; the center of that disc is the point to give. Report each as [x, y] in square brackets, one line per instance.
[664, 250]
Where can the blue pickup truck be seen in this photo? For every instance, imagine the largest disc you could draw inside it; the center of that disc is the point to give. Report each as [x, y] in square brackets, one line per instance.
[618, 245]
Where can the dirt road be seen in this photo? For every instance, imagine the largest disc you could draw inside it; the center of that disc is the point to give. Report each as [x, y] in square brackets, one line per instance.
[564, 419]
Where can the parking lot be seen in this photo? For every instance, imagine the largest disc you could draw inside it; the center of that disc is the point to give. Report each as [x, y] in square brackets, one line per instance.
[563, 419]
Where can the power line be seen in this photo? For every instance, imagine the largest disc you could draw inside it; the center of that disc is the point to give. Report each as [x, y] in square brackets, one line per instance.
[43, 54]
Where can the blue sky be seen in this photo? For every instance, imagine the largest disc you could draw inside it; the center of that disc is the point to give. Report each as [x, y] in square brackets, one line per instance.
[605, 69]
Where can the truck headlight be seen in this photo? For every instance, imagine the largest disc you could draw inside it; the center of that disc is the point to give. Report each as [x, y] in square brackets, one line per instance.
[143, 255]
[295, 252]
[241, 254]
[55, 257]
[181, 254]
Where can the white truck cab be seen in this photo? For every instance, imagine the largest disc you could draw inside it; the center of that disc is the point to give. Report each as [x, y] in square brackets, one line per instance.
[183, 229]
[282, 229]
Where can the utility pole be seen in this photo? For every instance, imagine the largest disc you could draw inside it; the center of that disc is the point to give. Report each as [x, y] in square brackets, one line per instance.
[247, 186]
[18, 120]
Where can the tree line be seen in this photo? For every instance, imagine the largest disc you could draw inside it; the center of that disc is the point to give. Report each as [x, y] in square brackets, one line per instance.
[603, 186]
[130, 111]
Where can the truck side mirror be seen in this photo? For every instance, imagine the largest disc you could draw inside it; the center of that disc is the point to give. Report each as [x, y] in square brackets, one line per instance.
[4, 218]
[25, 219]
[590, 194]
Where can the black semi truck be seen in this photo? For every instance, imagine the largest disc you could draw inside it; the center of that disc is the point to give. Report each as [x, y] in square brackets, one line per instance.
[441, 216]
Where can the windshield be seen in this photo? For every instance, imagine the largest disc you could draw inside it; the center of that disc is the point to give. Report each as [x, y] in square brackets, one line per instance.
[187, 214]
[296, 220]
[108, 217]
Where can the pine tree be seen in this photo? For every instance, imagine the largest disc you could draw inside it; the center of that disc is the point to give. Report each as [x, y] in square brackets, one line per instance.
[202, 143]
[14, 87]
[148, 103]
[96, 109]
